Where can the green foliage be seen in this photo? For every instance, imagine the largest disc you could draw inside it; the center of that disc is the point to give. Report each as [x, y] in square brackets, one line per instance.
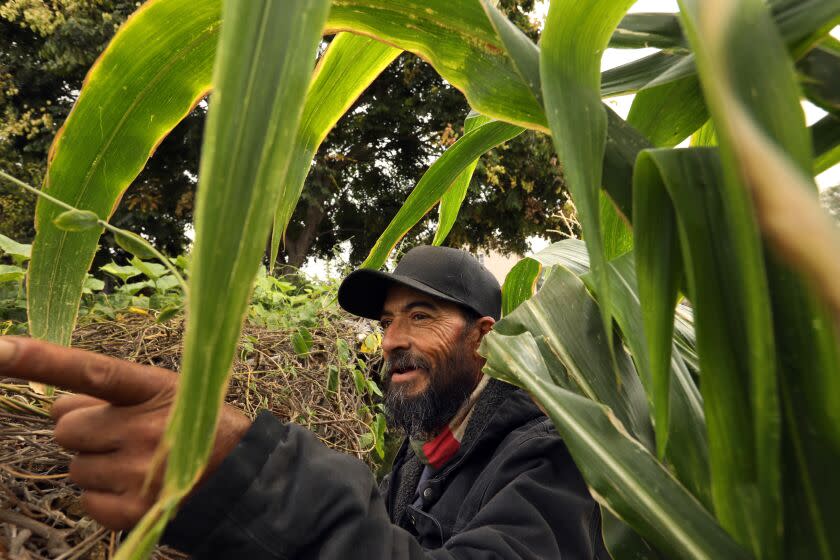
[726, 471]
[409, 112]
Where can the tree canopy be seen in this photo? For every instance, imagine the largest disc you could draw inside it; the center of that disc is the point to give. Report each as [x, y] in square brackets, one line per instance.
[361, 175]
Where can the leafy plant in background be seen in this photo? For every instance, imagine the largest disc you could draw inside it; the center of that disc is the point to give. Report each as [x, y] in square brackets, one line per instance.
[741, 469]
[12, 295]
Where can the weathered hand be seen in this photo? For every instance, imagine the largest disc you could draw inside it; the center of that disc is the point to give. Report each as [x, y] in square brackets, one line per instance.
[114, 423]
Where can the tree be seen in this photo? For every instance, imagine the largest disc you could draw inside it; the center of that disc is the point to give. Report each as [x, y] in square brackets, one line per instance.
[46, 48]
[376, 154]
[380, 149]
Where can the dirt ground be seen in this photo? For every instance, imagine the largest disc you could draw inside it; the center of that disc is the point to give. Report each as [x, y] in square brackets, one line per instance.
[40, 513]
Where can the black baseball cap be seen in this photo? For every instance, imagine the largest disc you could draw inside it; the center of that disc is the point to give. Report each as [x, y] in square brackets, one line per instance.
[449, 274]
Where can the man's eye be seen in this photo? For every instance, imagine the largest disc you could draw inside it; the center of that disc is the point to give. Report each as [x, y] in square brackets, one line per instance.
[419, 316]
[384, 324]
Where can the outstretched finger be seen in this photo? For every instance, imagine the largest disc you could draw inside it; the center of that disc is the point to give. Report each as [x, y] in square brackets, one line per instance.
[116, 381]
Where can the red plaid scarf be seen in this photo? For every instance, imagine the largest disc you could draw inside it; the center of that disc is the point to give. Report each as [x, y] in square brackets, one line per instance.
[438, 450]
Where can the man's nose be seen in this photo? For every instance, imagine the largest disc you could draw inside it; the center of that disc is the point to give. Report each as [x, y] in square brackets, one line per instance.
[395, 337]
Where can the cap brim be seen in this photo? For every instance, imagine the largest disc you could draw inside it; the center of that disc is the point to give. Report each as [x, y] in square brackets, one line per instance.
[363, 291]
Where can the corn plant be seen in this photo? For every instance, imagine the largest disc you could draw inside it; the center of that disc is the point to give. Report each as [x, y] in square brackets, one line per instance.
[739, 467]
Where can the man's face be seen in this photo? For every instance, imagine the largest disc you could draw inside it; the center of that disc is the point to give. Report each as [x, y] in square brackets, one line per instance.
[430, 362]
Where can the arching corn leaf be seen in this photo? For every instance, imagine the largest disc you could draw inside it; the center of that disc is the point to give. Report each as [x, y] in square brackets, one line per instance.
[622, 474]
[567, 341]
[574, 37]
[688, 455]
[435, 182]
[129, 102]
[450, 202]
[679, 193]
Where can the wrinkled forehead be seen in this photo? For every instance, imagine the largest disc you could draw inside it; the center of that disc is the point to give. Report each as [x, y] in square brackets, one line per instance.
[400, 298]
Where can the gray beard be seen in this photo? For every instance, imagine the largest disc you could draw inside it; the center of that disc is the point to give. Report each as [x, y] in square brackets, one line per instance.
[422, 416]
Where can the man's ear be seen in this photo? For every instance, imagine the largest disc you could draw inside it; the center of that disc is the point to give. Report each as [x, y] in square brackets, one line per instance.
[482, 326]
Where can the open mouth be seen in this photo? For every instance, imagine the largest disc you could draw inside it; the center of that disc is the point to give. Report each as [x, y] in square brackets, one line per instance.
[401, 373]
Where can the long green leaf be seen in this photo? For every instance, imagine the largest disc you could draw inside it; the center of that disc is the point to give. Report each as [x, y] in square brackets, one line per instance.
[261, 74]
[689, 452]
[736, 359]
[623, 143]
[573, 39]
[766, 153]
[575, 345]
[648, 30]
[622, 473]
[659, 270]
[635, 75]
[435, 183]
[450, 202]
[133, 96]
[349, 65]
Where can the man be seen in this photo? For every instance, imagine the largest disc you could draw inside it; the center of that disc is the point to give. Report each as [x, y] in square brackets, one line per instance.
[482, 473]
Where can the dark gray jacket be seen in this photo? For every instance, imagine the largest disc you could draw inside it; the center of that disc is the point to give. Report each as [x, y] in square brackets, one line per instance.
[511, 491]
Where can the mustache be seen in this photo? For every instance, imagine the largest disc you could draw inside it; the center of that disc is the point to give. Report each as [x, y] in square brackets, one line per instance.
[404, 360]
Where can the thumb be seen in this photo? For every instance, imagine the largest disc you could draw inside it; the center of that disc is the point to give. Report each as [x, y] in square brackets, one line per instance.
[68, 403]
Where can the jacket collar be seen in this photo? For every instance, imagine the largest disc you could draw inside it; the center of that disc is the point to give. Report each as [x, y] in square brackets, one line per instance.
[499, 410]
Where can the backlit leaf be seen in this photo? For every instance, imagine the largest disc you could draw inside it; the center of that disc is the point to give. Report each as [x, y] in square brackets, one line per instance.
[450, 202]
[76, 220]
[435, 182]
[261, 74]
